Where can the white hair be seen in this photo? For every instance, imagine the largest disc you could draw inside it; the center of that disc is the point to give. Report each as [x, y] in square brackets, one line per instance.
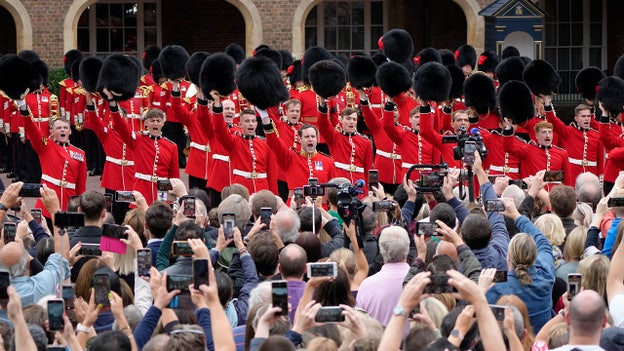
[394, 244]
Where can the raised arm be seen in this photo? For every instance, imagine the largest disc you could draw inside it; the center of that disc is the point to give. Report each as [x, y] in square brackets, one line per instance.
[426, 127]
[325, 127]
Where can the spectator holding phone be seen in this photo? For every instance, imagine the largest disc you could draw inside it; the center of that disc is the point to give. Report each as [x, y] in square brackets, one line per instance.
[93, 205]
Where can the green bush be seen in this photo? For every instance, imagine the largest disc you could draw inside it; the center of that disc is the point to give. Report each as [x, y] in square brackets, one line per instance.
[56, 75]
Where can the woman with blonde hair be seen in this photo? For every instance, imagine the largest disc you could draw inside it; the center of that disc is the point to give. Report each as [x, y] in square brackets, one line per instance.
[513, 300]
[552, 228]
[594, 270]
[582, 214]
[572, 252]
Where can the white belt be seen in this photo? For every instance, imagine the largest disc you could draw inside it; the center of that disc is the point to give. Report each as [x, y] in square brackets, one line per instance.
[504, 169]
[221, 157]
[388, 154]
[58, 182]
[410, 165]
[41, 119]
[134, 116]
[375, 105]
[198, 146]
[155, 103]
[148, 178]
[249, 175]
[349, 168]
[583, 163]
[120, 162]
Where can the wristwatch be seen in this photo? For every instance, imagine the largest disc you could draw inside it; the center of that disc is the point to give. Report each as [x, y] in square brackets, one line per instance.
[83, 329]
[400, 311]
[3, 208]
[456, 333]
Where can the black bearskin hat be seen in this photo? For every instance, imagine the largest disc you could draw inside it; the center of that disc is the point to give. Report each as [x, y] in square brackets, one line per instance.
[328, 78]
[516, 102]
[120, 75]
[393, 78]
[217, 73]
[260, 82]
[172, 60]
[361, 72]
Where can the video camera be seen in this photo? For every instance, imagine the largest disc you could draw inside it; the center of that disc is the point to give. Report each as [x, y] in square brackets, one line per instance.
[467, 144]
[349, 206]
[431, 176]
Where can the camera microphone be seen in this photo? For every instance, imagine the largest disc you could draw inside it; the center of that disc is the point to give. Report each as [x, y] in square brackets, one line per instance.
[475, 131]
[359, 184]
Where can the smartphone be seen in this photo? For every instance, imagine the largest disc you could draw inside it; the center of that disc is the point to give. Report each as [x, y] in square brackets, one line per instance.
[469, 148]
[144, 262]
[181, 248]
[56, 308]
[322, 269]
[229, 223]
[68, 295]
[164, 185]
[90, 250]
[179, 282]
[279, 296]
[55, 348]
[109, 202]
[68, 219]
[553, 176]
[500, 277]
[519, 183]
[200, 272]
[494, 206]
[329, 314]
[499, 312]
[384, 205]
[299, 197]
[616, 202]
[574, 285]
[5, 281]
[188, 209]
[114, 231]
[36, 213]
[101, 285]
[265, 216]
[124, 196]
[373, 178]
[10, 229]
[439, 285]
[30, 190]
[426, 229]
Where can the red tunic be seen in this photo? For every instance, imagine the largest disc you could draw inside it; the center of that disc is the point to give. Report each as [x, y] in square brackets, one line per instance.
[611, 137]
[500, 162]
[405, 104]
[78, 107]
[156, 97]
[40, 107]
[420, 150]
[172, 116]
[435, 138]
[535, 158]
[352, 153]
[154, 158]
[299, 166]
[63, 167]
[585, 151]
[133, 108]
[530, 129]
[119, 157]
[65, 98]
[387, 153]
[289, 133]
[489, 122]
[200, 154]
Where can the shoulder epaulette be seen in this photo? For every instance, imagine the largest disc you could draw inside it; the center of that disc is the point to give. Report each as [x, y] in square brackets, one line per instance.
[531, 142]
[524, 141]
[164, 86]
[557, 147]
[69, 90]
[62, 83]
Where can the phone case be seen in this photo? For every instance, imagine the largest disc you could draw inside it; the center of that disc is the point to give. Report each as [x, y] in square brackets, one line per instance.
[112, 245]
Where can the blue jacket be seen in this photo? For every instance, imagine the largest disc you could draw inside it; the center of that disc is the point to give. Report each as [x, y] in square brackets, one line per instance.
[538, 295]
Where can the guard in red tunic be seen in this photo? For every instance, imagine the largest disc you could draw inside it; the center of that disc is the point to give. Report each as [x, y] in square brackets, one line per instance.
[460, 124]
[288, 129]
[173, 128]
[501, 163]
[65, 100]
[585, 151]
[420, 150]
[6, 165]
[155, 157]
[118, 173]
[536, 157]
[301, 165]
[610, 131]
[251, 158]
[352, 153]
[63, 165]
[387, 154]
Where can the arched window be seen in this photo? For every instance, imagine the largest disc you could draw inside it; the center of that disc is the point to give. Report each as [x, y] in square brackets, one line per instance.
[346, 27]
[119, 26]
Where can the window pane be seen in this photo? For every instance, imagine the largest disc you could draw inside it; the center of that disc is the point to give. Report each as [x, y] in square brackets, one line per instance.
[564, 34]
[576, 58]
[564, 10]
[149, 14]
[595, 34]
[117, 40]
[376, 12]
[343, 13]
[563, 62]
[595, 10]
[551, 35]
[83, 39]
[101, 13]
[357, 15]
[83, 21]
[595, 57]
[150, 36]
[550, 55]
[330, 14]
[130, 14]
[311, 19]
[357, 38]
[131, 39]
[330, 38]
[102, 40]
[577, 34]
[344, 38]
[310, 37]
[116, 15]
[376, 33]
[576, 8]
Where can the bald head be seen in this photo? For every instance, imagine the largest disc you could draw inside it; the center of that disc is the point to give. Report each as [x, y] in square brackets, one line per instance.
[587, 314]
[11, 254]
[293, 260]
[446, 248]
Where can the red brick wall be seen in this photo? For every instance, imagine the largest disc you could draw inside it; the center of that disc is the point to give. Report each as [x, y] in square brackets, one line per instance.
[277, 19]
[201, 25]
[47, 19]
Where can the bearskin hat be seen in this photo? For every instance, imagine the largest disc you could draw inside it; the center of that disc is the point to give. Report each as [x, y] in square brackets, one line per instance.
[75, 70]
[287, 59]
[397, 45]
[361, 72]
[149, 55]
[432, 82]
[466, 55]
[516, 102]
[427, 55]
[217, 73]
[541, 77]
[120, 75]
[611, 94]
[457, 81]
[488, 60]
[312, 56]
[89, 71]
[510, 69]
[17, 76]
[236, 52]
[44, 71]
[69, 58]
[328, 78]
[156, 70]
[393, 78]
[260, 82]
[194, 64]
[618, 70]
[480, 93]
[173, 60]
[448, 57]
[29, 55]
[510, 51]
[587, 80]
[272, 55]
[379, 59]
[295, 73]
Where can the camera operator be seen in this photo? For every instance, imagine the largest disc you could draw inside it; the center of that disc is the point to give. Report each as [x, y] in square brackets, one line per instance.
[460, 124]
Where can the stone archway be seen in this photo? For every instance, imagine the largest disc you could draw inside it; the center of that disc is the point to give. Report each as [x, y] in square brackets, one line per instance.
[253, 23]
[475, 24]
[23, 25]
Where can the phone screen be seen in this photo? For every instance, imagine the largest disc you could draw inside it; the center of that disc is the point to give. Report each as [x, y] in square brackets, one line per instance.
[229, 223]
[329, 314]
[265, 216]
[9, 232]
[321, 269]
[494, 206]
[56, 308]
[181, 248]
[189, 207]
[574, 285]
[36, 213]
[553, 176]
[124, 196]
[90, 250]
[373, 178]
[200, 272]
[5, 281]
[279, 296]
[144, 262]
[101, 285]
[178, 282]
